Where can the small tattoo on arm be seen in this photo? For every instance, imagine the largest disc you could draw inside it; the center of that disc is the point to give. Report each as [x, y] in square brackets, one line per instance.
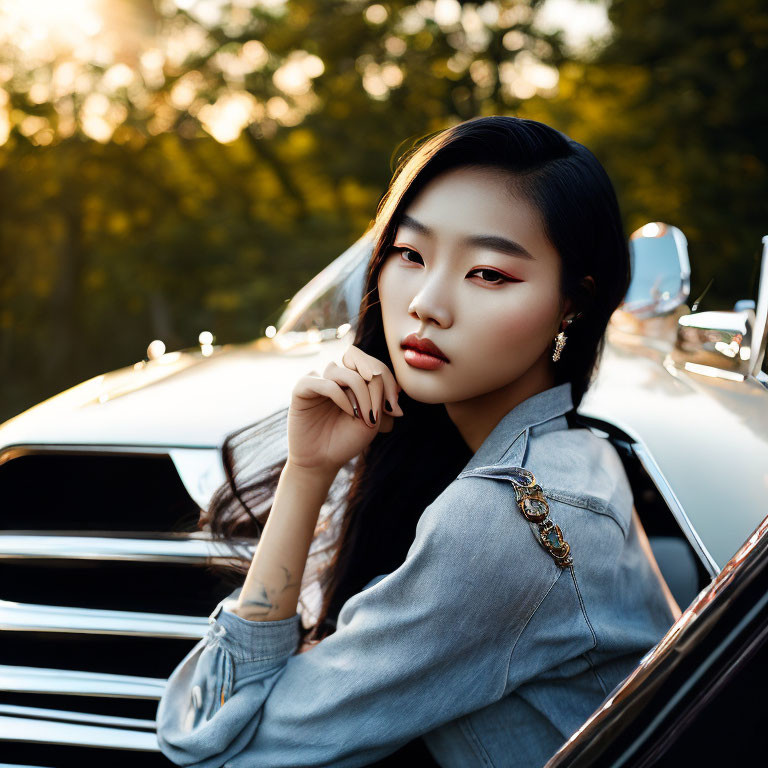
[266, 598]
[288, 583]
[261, 605]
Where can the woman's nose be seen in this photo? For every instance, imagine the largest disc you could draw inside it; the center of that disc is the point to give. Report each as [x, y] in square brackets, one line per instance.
[431, 304]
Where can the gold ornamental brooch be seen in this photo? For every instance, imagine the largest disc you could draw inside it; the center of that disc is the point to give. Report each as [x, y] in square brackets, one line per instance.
[533, 505]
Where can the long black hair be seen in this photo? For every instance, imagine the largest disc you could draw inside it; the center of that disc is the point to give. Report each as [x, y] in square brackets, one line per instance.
[369, 519]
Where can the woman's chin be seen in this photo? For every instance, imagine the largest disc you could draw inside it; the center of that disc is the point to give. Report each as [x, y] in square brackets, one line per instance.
[424, 394]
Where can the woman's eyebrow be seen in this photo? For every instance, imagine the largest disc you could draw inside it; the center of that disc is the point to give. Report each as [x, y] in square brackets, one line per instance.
[495, 242]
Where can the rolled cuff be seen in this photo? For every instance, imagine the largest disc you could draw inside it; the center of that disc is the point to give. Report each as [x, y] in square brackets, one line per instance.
[248, 640]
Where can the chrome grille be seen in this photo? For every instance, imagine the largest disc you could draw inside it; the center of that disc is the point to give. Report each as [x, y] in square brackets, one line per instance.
[106, 584]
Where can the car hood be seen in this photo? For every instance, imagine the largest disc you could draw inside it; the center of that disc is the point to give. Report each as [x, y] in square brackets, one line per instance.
[181, 399]
[687, 429]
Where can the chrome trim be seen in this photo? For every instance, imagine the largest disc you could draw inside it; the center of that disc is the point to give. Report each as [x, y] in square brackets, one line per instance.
[77, 683]
[669, 496]
[25, 765]
[712, 371]
[689, 684]
[149, 548]
[715, 340]
[760, 327]
[76, 717]
[29, 617]
[9, 452]
[27, 729]
[682, 249]
[622, 705]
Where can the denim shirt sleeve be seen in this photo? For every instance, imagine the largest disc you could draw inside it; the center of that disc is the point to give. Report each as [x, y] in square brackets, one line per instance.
[425, 644]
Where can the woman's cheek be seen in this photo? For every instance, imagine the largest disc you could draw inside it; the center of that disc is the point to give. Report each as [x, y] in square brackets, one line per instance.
[511, 337]
[382, 285]
[529, 314]
[388, 283]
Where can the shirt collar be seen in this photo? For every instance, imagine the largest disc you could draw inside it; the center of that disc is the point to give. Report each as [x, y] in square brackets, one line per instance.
[507, 439]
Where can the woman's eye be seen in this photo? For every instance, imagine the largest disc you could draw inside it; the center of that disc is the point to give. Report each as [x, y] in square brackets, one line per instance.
[404, 251]
[491, 276]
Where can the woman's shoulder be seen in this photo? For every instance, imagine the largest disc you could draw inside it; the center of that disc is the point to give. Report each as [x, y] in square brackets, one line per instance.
[475, 530]
[581, 468]
[573, 466]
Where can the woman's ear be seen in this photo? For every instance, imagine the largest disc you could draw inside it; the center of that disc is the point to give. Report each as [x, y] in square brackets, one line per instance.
[589, 285]
[588, 290]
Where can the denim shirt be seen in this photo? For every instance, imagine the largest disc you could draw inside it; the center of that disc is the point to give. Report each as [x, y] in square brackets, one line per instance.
[480, 641]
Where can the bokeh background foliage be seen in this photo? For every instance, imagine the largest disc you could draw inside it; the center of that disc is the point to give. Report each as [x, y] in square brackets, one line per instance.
[169, 166]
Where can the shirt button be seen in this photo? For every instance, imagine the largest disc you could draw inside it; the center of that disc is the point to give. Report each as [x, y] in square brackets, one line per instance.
[197, 696]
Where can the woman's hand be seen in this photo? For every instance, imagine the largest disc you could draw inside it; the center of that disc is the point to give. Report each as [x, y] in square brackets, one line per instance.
[329, 420]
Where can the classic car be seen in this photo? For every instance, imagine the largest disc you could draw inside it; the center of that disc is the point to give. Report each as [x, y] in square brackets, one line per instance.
[106, 581]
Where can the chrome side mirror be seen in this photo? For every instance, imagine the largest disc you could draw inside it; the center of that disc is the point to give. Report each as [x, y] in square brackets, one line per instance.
[661, 270]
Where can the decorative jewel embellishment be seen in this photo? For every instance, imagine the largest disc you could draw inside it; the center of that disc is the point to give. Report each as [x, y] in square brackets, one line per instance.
[559, 344]
[560, 341]
[534, 507]
[532, 502]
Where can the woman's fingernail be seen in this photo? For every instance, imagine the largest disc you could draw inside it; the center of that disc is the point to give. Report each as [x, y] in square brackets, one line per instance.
[372, 417]
[387, 405]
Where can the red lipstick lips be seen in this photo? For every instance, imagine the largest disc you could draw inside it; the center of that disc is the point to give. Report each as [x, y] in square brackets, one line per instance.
[422, 353]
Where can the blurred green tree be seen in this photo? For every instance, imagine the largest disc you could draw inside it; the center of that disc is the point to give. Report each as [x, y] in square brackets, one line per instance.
[173, 166]
[677, 109]
[169, 166]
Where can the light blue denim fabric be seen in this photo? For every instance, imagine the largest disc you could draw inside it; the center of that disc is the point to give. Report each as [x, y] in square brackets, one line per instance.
[479, 641]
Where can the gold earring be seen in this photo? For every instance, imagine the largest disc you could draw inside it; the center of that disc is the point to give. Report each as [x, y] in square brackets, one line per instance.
[560, 342]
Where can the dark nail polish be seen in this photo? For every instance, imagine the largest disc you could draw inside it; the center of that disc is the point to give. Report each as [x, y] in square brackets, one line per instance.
[373, 419]
[387, 405]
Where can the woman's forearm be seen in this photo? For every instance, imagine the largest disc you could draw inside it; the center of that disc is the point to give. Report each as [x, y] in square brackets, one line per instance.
[272, 586]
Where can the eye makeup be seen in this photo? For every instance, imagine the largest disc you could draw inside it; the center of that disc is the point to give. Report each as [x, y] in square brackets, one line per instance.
[502, 277]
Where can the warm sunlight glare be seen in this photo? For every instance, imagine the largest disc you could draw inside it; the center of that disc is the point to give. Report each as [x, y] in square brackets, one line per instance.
[51, 22]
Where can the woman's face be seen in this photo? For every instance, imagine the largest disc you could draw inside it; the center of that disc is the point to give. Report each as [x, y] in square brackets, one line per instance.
[471, 270]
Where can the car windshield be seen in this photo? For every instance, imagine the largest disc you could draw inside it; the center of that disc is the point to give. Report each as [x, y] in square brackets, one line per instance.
[332, 297]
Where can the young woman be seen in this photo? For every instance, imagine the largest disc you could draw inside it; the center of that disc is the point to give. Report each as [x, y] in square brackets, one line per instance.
[490, 586]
